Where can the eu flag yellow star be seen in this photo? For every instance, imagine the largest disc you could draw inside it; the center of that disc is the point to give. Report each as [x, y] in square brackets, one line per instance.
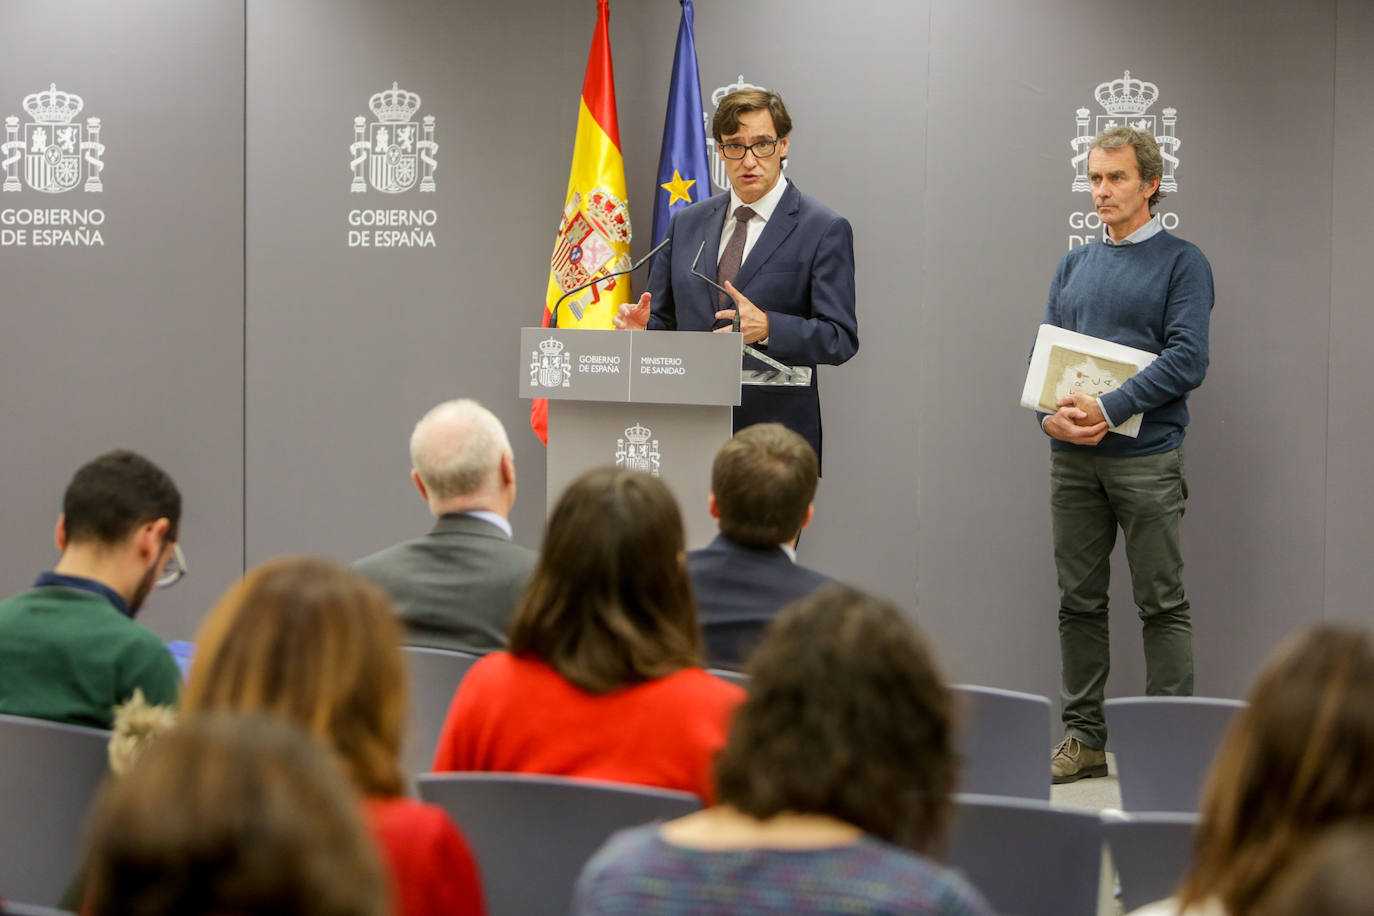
[677, 188]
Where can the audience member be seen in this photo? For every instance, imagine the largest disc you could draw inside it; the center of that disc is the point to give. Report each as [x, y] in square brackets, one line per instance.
[457, 587]
[1297, 761]
[231, 815]
[1333, 878]
[318, 645]
[603, 676]
[763, 482]
[833, 790]
[137, 724]
[70, 650]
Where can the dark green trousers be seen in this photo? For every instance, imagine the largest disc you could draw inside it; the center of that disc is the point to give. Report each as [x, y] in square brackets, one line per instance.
[1090, 496]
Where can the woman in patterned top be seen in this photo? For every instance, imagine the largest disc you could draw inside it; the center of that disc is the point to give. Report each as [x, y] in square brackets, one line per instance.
[833, 789]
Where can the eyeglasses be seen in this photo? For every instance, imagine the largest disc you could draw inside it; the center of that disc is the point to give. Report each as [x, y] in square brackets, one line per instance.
[173, 569]
[761, 150]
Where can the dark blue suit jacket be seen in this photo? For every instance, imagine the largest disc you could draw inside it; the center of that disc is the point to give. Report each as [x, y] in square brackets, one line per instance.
[800, 271]
[738, 590]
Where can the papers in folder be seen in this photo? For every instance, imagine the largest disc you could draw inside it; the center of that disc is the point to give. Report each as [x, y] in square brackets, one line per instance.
[1066, 362]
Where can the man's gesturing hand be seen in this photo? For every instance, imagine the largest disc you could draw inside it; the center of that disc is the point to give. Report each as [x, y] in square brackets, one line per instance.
[632, 316]
[753, 321]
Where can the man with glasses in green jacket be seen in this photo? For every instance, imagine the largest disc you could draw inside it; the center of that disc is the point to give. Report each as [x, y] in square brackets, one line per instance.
[70, 650]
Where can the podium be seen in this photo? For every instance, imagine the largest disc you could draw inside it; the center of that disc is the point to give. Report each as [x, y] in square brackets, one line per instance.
[652, 401]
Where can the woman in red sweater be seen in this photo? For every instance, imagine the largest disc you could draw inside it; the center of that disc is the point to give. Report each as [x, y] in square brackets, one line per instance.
[305, 640]
[603, 678]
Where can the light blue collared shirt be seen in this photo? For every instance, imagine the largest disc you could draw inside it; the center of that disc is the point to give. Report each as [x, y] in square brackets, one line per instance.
[500, 521]
[1151, 228]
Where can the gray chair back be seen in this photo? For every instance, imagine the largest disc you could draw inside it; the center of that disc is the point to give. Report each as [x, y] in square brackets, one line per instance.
[1151, 852]
[1004, 742]
[733, 677]
[49, 774]
[533, 834]
[434, 676]
[1164, 747]
[1026, 857]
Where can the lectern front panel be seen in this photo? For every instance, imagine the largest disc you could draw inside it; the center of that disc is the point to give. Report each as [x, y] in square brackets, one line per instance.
[674, 442]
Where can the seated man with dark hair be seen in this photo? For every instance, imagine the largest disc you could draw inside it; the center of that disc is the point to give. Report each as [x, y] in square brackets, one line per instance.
[70, 650]
[763, 482]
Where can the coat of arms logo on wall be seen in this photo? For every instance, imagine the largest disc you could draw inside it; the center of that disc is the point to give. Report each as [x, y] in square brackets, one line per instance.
[395, 152]
[1126, 101]
[55, 149]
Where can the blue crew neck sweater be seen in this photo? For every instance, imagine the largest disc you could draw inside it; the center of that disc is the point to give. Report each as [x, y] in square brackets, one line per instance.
[1155, 295]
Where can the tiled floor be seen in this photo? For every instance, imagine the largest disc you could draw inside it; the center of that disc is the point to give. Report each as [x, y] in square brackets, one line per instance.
[1103, 792]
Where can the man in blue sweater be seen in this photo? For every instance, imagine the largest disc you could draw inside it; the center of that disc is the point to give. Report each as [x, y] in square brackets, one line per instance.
[1143, 288]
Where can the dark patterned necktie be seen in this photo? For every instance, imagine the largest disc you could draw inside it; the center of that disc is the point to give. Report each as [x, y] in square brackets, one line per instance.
[730, 261]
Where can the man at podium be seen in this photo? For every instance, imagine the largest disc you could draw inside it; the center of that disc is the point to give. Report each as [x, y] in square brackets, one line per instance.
[780, 259]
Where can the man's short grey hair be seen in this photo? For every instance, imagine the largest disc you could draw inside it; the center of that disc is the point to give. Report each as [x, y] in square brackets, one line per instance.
[456, 448]
[1147, 158]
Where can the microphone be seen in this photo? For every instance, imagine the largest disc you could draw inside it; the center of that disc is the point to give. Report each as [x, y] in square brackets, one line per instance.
[790, 375]
[734, 323]
[553, 315]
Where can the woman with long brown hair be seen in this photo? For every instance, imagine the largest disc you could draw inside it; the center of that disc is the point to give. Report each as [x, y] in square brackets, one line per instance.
[1298, 760]
[232, 814]
[310, 642]
[603, 677]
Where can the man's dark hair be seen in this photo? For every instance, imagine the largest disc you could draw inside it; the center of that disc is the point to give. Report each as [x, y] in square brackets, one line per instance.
[112, 495]
[741, 101]
[848, 717]
[764, 480]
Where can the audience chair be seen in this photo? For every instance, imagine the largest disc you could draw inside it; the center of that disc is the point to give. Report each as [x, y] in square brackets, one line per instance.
[434, 675]
[10, 908]
[1027, 857]
[1002, 742]
[533, 834]
[49, 774]
[1164, 747]
[1151, 852]
[734, 677]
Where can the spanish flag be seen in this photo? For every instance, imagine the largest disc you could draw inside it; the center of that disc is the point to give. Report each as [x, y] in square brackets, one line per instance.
[594, 232]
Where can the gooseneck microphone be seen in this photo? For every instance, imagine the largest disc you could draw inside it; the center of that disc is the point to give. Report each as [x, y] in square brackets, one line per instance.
[553, 315]
[734, 322]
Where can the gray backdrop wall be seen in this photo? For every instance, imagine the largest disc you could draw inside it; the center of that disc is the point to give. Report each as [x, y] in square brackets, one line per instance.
[232, 328]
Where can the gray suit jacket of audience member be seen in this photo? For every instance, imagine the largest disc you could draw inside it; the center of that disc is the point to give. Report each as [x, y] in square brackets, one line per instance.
[738, 590]
[456, 587]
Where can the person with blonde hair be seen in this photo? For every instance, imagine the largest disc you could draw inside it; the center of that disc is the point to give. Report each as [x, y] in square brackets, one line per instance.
[1298, 760]
[834, 789]
[232, 814]
[307, 641]
[603, 677]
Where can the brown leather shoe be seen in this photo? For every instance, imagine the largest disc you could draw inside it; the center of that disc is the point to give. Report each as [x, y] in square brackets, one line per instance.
[1073, 760]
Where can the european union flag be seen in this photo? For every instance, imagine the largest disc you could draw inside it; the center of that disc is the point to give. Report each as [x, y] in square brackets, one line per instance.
[684, 177]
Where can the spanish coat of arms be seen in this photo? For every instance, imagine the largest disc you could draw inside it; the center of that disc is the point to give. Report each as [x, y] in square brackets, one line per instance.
[53, 145]
[394, 152]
